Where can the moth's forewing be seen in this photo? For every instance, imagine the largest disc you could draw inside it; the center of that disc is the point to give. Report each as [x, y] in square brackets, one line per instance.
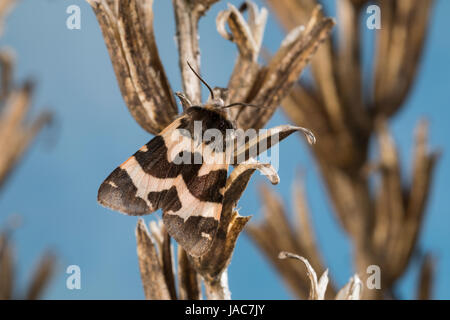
[190, 193]
[137, 186]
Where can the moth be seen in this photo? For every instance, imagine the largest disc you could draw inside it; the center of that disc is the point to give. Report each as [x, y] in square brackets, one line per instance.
[190, 193]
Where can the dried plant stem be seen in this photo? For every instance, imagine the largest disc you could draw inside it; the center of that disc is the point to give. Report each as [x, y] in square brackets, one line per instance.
[187, 15]
[218, 289]
[151, 271]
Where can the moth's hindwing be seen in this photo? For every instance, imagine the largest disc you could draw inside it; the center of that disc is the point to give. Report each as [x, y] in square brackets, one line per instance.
[190, 193]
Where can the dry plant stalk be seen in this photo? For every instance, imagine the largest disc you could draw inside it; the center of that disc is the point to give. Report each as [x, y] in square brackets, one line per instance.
[5, 8]
[127, 27]
[40, 277]
[383, 223]
[16, 134]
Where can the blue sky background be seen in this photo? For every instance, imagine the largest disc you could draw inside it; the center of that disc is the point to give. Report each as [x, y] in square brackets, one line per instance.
[54, 189]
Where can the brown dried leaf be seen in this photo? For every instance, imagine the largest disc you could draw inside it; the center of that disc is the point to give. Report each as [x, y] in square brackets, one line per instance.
[189, 285]
[127, 27]
[422, 172]
[6, 66]
[390, 206]
[248, 38]
[278, 77]
[305, 230]
[152, 275]
[167, 264]
[187, 16]
[41, 277]
[5, 8]
[15, 133]
[266, 139]
[426, 278]
[399, 49]
[6, 269]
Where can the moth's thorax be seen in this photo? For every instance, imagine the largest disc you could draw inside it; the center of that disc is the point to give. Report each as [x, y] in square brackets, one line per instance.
[211, 116]
[216, 105]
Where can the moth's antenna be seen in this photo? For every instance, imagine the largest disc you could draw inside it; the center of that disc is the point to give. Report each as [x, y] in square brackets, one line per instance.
[204, 82]
[242, 104]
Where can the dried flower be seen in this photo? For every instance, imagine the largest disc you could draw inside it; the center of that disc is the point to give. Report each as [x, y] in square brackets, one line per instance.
[383, 221]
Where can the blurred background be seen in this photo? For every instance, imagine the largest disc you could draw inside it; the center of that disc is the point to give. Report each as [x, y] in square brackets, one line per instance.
[54, 188]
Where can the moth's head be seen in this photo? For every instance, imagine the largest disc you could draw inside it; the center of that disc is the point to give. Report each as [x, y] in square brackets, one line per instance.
[216, 103]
